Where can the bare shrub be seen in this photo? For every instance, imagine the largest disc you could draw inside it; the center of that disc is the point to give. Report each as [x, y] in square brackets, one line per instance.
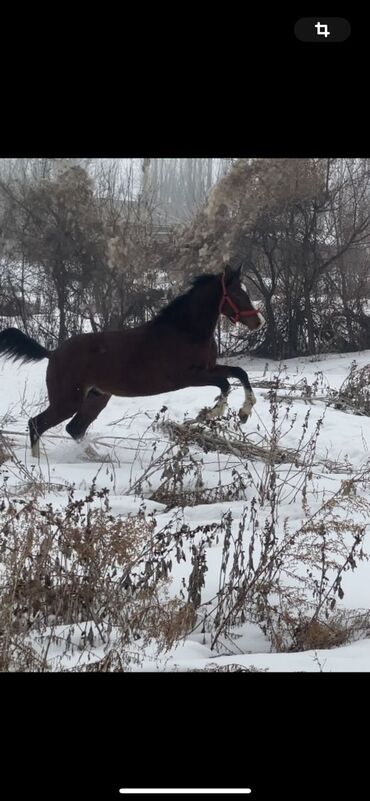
[354, 394]
[286, 578]
[82, 589]
[83, 573]
[232, 668]
[295, 607]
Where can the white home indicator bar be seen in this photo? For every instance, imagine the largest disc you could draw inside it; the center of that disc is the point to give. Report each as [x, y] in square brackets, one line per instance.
[185, 791]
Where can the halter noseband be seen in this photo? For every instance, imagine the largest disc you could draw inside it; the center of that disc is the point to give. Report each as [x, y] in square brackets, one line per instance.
[238, 312]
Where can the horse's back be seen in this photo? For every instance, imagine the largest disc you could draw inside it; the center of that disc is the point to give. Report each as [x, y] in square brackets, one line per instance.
[146, 360]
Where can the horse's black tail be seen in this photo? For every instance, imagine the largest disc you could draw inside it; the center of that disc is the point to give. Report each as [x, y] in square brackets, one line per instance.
[18, 346]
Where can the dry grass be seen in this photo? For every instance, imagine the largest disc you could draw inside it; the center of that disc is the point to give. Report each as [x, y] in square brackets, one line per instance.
[81, 571]
[354, 394]
[84, 590]
[217, 439]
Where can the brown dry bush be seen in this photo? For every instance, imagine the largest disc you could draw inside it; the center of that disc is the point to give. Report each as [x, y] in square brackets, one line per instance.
[354, 394]
[87, 571]
[285, 578]
[82, 589]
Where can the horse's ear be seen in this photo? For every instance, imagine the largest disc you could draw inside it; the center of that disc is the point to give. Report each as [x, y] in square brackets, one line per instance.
[231, 273]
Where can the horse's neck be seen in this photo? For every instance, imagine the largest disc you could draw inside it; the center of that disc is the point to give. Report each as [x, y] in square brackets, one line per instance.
[203, 314]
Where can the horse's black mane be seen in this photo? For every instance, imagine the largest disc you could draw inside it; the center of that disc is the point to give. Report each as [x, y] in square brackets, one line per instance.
[173, 312]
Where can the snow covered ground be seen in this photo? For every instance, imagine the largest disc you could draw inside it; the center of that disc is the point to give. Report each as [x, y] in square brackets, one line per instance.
[123, 432]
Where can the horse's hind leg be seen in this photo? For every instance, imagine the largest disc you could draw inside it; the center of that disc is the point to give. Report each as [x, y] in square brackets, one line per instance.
[93, 404]
[53, 415]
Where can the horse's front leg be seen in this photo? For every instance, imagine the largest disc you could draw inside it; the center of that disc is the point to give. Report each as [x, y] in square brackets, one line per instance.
[249, 397]
[218, 376]
[245, 411]
[218, 410]
[199, 377]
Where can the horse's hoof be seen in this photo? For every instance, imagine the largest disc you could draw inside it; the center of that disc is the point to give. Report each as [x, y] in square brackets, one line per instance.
[246, 409]
[91, 453]
[217, 411]
[205, 415]
[35, 450]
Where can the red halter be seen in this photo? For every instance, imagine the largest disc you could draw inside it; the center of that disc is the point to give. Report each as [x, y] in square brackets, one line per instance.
[238, 312]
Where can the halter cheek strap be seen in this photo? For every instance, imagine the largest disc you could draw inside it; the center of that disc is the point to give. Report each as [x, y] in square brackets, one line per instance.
[238, 313]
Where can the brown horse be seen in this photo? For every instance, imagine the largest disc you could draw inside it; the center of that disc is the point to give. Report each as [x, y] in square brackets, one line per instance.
[176, 349]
